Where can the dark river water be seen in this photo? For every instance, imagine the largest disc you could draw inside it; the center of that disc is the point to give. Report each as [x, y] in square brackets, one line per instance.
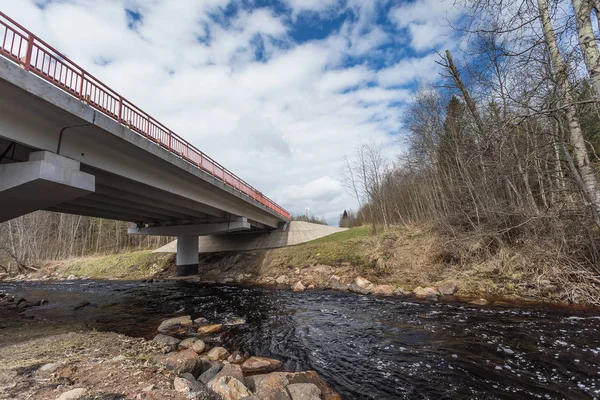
[366, 347]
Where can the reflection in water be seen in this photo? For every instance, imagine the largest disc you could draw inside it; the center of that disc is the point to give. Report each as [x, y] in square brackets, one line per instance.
[366, 347]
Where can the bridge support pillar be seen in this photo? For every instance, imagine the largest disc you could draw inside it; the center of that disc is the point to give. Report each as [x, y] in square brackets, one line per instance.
[187, 255]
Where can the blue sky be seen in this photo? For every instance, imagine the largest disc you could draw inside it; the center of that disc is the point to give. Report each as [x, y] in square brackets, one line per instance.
[277, 91]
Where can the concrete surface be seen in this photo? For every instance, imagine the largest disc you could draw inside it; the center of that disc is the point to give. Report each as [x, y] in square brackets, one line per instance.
[296, 233]
[44, 181]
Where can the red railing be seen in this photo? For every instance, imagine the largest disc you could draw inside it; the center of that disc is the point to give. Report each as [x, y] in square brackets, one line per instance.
[38, 57]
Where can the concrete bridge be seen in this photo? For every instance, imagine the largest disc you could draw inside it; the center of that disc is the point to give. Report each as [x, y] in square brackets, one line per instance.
[69, 143]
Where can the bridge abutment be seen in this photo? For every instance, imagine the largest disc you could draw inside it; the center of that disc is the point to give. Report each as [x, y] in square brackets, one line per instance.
[187, 255]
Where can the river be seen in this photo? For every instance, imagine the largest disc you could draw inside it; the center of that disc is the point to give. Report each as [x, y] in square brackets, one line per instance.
[366, 347]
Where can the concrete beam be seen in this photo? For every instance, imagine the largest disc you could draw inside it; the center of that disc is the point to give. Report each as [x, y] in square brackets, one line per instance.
[45, 181]
[241, 224]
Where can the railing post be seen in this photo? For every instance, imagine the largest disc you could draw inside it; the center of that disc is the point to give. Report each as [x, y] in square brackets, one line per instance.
[81, 85]
[120, 106]
[29, 52]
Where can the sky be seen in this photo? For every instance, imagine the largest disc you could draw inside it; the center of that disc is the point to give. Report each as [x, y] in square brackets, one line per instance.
[276, 91]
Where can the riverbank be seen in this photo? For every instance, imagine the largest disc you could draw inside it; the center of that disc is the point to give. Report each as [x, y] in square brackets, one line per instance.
[402, 258]
[47, 359]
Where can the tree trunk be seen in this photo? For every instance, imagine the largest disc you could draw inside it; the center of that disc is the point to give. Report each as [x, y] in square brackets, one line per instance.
[582, 162]
[587, 40]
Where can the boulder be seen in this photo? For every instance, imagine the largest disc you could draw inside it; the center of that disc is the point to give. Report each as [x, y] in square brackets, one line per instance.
[304, 391]
[232, 370]
[271, 386]
[209, 374]
[217, 353]
[362, 282]
[198, 346]
[184, 361]
[281, 279]
[73, 394]
[255, 365]
[335, 283]
[401, 292]
[200, 321]
[232, 321]
[186, 385]
[187, 343]
[166, 341]
[298, 287]
[385, 290]
[49, 368]
[357, 289]
[425, 292]
[177, 322]
[447, 288]
[210, 328]
[229, 388]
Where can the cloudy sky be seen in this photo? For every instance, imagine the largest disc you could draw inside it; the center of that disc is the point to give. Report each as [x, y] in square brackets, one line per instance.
[276, 91]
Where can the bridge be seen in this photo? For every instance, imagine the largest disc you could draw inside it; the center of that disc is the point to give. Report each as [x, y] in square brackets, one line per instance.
[71, 144]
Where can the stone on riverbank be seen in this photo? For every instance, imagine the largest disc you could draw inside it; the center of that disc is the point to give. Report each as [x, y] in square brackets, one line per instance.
[281, 279]
[231, 370]
[229, 388]
[362, 282]
[260, 365]
[183, 361]
[49, 368]
[480, 302]
[335, 283]
[210, 328]
[166, 341]
[426, 292]
[236, 358]
[275, 383]
[182, 384]
[217, 354]
[304, 391]
[210, 373]
[357, 289]
[298, 287]
[198, 346]
[172, 323]
[447, 288]
[73, 394]
[401, 292]
[187, 343]
[385, 290]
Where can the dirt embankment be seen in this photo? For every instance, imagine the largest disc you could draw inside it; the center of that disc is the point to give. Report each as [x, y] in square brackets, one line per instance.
[404, 258]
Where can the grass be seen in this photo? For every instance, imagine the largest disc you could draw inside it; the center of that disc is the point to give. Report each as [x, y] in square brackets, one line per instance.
[134, 265]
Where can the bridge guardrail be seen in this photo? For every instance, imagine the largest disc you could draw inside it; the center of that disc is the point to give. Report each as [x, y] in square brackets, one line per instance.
[36, 56]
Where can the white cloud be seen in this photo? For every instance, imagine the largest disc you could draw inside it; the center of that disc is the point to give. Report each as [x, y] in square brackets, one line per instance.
[426, 22]
[409, 70]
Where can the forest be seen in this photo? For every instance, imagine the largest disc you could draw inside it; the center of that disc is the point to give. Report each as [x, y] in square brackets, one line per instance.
[504, 152]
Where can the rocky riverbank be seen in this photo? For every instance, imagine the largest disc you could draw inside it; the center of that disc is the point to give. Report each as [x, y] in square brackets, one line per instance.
[49, 360]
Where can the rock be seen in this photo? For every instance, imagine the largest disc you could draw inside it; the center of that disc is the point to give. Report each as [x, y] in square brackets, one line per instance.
[209, 374]
[184, 361]
[225, 281]
[229, 370]
[401, 292]
[239, 278]
[479, 302]
[327, 393]
[71, 277]
[185, 385]
[311, 286]
[210, 328]
[148, 388]
[168, 342]
[271, 386]
[73, 394]
[260, 365]
[362, 282]
[49, 368]
[217, 353]
[200, 321]
[335, 283]
[425, 292]
[187, 343]
[385, 290]
[447, 288]
[304, 391]
[229, 388]
[177, 322]
[65, 372]
[198, 346]
[298, 287]
[281, 279]
[357, 289]
[236, 358]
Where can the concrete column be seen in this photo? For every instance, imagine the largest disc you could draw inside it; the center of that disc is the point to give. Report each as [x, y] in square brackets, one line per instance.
[187, 255]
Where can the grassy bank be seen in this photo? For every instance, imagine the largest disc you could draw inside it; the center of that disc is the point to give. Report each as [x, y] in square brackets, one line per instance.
[402, 257]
